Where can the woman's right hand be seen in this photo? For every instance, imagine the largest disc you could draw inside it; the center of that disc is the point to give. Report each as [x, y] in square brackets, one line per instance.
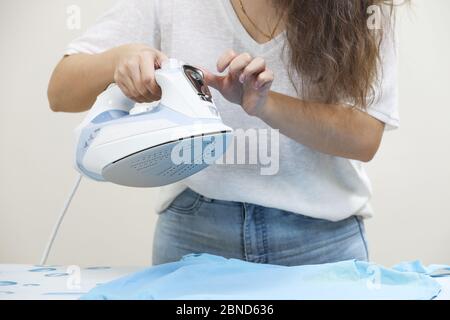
[134, 72]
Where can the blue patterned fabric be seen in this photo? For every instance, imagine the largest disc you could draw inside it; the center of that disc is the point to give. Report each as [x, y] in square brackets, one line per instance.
[205, 276]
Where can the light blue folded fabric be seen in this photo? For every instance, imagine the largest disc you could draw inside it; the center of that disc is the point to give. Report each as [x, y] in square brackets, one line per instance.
[434, 270]
[205, 276]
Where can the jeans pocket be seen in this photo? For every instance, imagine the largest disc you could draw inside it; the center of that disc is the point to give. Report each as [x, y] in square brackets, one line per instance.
[187, 203]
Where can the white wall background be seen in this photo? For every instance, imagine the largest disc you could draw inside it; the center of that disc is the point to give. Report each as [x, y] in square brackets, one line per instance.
[112, 225]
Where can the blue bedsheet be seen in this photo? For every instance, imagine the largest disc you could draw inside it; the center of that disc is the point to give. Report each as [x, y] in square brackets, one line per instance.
[205, 276]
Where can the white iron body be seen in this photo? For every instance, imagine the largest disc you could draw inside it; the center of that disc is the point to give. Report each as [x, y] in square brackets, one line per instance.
[140, 145]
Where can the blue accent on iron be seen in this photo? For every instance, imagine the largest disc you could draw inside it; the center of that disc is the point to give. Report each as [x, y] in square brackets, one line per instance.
[42, 269]
[59, 274]
[109, 115]
[98, 268]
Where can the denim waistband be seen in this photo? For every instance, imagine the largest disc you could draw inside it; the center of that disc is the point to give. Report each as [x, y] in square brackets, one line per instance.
[191, 193]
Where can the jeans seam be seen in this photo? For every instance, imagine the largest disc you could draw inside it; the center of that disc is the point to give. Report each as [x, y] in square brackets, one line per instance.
[362, 237]
[246, 232]
[261, 227]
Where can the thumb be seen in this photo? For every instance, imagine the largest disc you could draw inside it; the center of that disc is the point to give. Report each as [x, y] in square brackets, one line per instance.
[211, 79]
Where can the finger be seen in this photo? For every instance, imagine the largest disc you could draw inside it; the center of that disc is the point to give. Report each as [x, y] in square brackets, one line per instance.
[264, 79]
[147, 74]
[125, 79]
[127, 92]
[134, 73]
[225, 60]
[125, 83]
[160, 58]
[255, 67]
[211, 79]
[239, 64]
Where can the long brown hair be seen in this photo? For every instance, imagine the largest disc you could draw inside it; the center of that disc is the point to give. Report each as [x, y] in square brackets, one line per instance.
[332, 48]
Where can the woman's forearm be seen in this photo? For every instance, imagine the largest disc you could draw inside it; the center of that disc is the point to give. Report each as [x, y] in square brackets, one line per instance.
[78, 79]
[332, 129]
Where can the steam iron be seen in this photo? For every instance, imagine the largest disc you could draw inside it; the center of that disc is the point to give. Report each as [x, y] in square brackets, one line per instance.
[151, 145]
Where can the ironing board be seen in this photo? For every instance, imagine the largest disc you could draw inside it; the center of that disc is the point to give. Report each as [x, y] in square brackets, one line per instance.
[19, 281]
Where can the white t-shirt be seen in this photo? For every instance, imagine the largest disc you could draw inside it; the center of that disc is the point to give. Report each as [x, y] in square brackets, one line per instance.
[198, 32]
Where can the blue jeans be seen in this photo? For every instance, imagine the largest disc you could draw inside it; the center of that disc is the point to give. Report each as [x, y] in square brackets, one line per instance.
[195, 224]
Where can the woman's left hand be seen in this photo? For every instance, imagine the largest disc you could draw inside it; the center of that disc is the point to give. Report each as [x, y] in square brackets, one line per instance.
[247, 83]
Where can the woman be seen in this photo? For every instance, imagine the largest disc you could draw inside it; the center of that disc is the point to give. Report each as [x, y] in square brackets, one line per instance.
[312, 69]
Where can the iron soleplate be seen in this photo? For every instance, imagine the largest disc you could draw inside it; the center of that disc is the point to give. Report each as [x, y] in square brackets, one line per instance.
[154, 167]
